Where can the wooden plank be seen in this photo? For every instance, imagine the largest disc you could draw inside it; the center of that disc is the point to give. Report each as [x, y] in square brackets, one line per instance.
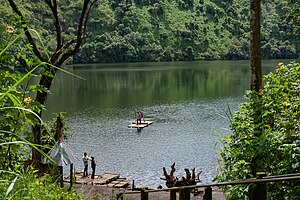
[67, 179]
[99, 181]
[108, 179]
[82, 181]
[110, 176]
[118, 184]
[143, 124]
[137, 125]
[121, 184]
[111, 184]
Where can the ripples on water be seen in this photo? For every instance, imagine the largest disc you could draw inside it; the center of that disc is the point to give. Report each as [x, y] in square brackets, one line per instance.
[183, 133]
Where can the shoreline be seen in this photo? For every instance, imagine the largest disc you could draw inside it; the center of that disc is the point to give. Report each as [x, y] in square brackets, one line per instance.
[109, 185]
[107, 193]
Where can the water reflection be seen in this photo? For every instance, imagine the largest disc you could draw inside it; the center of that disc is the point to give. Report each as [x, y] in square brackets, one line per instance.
[135, 85]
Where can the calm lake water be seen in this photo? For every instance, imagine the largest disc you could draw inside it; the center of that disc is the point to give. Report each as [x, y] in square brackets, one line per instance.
[188, 102]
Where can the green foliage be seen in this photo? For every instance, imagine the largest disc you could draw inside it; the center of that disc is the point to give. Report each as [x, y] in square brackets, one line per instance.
[293, 15]
[265, 136]
[16, 107]
[17, 115]
[185, 30]
[26, 185]
[14, 52]
[152, 30]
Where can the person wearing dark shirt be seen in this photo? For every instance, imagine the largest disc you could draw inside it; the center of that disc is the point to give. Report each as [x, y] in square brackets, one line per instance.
[93, 164]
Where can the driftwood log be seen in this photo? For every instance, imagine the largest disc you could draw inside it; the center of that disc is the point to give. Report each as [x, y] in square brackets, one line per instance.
[189, 179]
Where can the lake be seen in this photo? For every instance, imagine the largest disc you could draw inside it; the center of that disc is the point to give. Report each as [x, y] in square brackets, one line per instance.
[189, 103]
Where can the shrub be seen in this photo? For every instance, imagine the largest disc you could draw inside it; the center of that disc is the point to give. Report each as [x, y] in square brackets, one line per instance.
[28, 186]
[265, 136]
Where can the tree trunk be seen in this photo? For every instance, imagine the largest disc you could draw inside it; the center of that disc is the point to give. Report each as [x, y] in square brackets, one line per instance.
[36, 156]
[41, 97]
[255, 51]
[256, 74]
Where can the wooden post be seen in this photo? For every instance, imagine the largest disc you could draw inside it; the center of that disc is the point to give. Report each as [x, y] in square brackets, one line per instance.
[172, 194]
[120, 196]
[255, 46]
[207, 193]
[61, 176]
[132, 185]
[71, 176]
[144, 195]
[184, 194]
[258, 191]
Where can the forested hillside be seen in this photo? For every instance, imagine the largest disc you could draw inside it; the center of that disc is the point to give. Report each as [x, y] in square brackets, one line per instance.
[171, 30]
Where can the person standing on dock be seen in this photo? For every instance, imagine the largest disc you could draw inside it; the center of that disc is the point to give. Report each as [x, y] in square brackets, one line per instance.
[93, 164]
[85, 160]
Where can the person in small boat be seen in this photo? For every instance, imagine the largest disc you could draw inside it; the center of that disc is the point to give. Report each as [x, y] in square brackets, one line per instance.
[139, 115]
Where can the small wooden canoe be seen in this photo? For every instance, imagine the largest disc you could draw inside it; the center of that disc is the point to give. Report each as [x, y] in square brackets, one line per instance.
[140, 125]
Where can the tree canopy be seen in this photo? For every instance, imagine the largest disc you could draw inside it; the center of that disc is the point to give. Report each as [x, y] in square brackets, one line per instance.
[129, 31]
[150, 30]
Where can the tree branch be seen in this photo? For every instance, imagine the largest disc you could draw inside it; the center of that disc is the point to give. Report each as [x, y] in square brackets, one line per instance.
[80, 25]
[81, 30]
[87, 16]
[56, 21]
[27, 33]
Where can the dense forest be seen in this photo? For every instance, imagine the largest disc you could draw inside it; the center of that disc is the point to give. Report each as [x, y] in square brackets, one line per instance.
[166, 30]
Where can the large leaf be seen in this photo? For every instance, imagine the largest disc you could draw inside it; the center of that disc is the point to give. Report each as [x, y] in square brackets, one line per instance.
[11, 186]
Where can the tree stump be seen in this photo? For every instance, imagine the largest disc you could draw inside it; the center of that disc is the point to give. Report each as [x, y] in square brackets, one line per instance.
[189, 179]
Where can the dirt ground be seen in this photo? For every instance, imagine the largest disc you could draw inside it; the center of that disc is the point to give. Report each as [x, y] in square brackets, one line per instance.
[107, 193]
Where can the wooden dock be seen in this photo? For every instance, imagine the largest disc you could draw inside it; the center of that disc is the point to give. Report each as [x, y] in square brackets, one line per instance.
[107, 179]
[141, 125]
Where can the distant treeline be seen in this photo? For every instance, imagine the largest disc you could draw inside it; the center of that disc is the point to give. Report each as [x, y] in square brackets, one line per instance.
[171, 30]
